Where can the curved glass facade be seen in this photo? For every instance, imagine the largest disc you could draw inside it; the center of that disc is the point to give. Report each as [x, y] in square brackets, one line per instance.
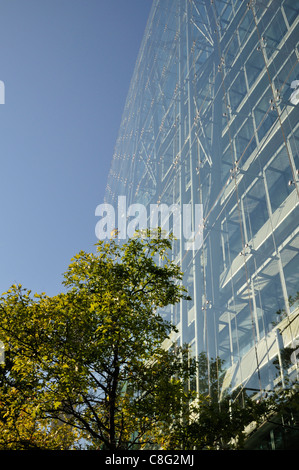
[212, 118]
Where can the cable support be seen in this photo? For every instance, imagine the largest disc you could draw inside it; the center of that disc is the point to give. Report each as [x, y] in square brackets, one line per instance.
[276, 107]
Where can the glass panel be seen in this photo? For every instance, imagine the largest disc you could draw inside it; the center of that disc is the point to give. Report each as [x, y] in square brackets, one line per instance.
[255, 208]
[290, 263]
[286, 73]
[294, 142]
[254, 66]
[199, 103]
[237, 91]
[264, 115]
[269, 296]
[291, 10]
[245, 141]
[246, 26]
[245, 337]
[278, 175]
[233, 245]
[232, 50]
[274, 33]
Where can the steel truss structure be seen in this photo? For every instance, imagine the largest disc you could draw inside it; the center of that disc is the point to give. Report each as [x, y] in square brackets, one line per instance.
[211, 118]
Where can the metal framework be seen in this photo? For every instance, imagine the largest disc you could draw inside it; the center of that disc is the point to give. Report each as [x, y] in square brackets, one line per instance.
[211, 118]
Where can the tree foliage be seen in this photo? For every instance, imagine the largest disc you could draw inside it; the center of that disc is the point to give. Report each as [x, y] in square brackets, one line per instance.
[89, 362]
[87, 367]
[224, 421]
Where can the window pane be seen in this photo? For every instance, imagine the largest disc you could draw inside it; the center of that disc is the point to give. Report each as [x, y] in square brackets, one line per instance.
[255, 208]
[278, 175]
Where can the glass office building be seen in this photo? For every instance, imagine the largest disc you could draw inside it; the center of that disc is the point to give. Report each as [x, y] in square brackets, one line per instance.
[212, 118]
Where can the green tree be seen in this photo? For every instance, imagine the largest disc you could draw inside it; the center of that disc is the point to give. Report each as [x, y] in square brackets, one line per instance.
[217, 426]
[217, 421]
[21, 427]
[213, 421]
[90, 361]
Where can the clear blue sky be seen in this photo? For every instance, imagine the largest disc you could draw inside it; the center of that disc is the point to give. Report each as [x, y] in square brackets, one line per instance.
[66, 66]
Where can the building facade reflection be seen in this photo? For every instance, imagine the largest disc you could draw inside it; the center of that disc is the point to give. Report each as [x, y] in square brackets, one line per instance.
[211, 118]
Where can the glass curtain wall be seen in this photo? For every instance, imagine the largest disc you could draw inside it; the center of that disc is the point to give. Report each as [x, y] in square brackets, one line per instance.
[211, 118]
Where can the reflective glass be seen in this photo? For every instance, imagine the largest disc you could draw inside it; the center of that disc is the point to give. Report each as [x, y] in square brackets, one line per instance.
[212, 117]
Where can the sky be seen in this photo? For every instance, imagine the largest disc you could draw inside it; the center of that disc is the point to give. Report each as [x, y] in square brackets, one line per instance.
[66, 66]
